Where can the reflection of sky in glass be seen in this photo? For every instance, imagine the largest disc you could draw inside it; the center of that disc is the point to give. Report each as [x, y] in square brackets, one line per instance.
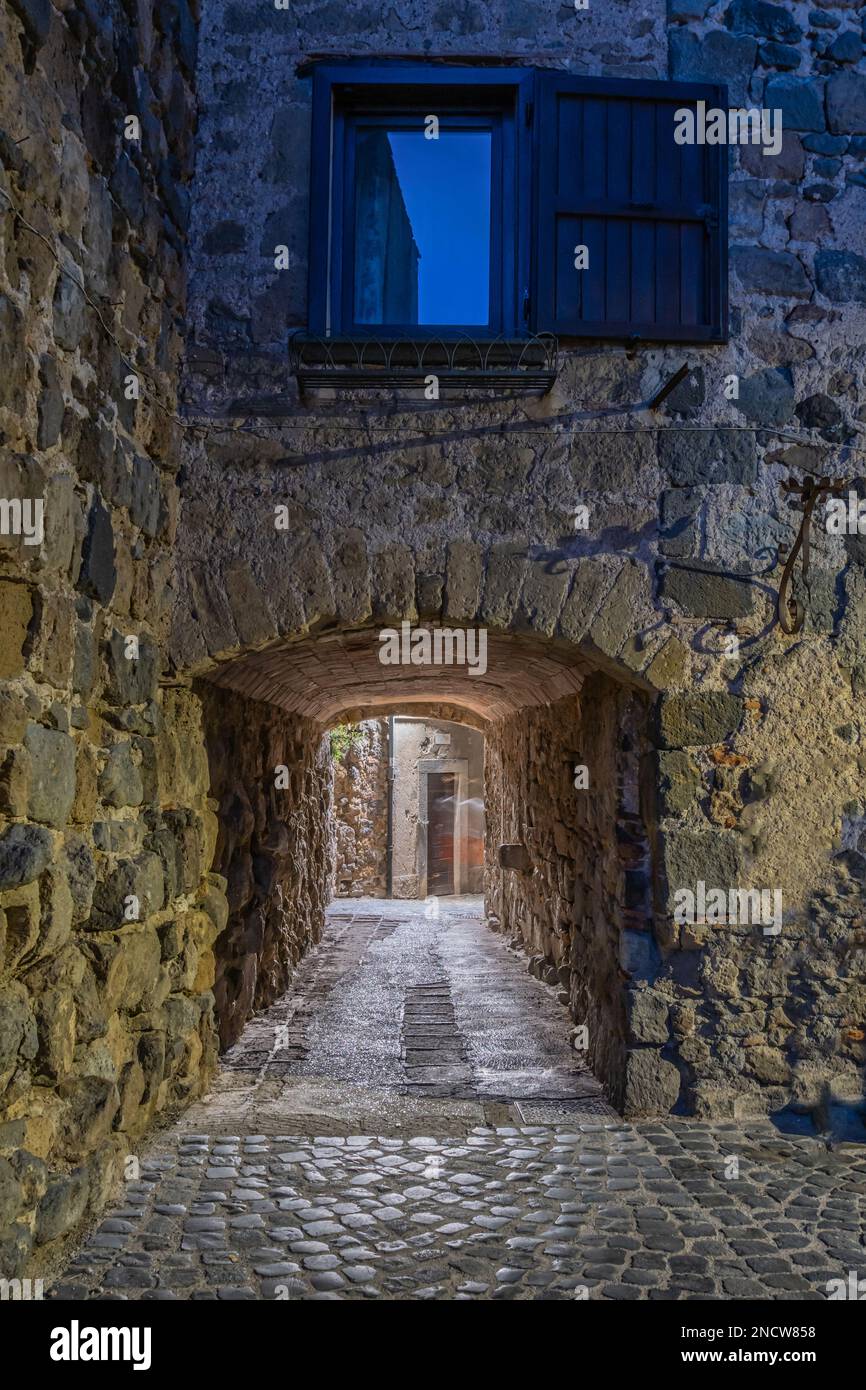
[446, 189]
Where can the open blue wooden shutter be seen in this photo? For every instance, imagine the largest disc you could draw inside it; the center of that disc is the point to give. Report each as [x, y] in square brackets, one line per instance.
[652, 213]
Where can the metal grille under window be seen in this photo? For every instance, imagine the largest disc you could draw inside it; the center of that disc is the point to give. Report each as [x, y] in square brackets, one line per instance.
[524, 364]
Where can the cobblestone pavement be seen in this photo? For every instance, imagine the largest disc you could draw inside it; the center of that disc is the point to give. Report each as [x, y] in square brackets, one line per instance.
[418, 1051]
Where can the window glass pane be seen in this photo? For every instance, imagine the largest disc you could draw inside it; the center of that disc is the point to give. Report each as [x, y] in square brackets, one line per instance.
[422, 227]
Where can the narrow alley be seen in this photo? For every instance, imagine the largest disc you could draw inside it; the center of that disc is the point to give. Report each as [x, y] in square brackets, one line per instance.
[432, 671]
[410, 1122]
[408, 1013]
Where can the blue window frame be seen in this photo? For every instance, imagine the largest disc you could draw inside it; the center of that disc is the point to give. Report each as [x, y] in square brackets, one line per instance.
[470, 185]
[473, 229]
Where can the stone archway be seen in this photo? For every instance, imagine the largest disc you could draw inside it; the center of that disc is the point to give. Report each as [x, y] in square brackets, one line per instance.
[582, 904]
[713, 1019]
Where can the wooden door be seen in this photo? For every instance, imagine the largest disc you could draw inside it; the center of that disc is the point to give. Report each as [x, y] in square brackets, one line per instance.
[441, 807]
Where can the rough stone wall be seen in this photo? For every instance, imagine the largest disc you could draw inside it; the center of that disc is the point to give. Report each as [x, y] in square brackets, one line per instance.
[763, 1023]
[582, 907]
[361, 814]
[466, 512]
[270, 780]
[107, 918]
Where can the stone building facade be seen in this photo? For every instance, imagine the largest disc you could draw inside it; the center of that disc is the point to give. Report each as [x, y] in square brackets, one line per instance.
[169, 659]
[753, 762]
[392, 760]
[423, 747]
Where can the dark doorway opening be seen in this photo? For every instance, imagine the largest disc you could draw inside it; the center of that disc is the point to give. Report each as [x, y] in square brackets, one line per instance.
[441, 806]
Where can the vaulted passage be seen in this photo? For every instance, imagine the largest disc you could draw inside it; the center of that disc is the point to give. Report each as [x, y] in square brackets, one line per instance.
[336, 675]
[518, 780]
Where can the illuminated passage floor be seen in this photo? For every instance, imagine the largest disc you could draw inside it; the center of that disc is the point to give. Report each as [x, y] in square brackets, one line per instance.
[410, 1122]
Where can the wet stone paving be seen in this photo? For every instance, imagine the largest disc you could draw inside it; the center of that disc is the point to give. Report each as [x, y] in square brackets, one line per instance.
[409, 1122]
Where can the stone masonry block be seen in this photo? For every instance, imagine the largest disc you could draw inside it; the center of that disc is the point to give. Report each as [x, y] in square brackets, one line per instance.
[351, 576]
[506, 568]
[710, 855]
[250, 613]
[544, 592]
[652, 1085]
[698, 718]
[691, 457]
[16, 611]
[705, 592]
[394, 584]
[463, 578]
[52, 774]
[592, 581]
[679, 781]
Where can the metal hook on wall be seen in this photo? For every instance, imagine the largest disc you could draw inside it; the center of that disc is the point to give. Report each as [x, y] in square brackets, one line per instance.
[790, 611]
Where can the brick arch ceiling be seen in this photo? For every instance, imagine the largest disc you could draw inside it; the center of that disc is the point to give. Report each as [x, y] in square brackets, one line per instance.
[325, 677]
